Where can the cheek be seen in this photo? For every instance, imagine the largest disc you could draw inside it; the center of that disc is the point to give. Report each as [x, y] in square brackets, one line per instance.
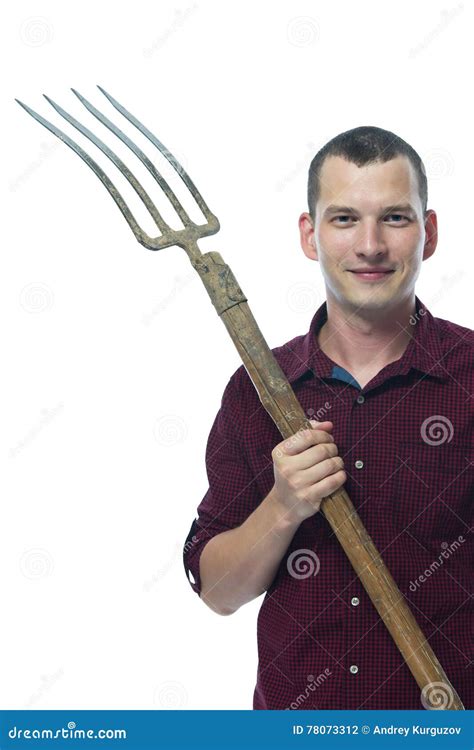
[407, 240]
[407, 248]
[335, 244]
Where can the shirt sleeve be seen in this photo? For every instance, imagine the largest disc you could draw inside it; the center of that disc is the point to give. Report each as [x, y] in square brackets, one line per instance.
[233, 493]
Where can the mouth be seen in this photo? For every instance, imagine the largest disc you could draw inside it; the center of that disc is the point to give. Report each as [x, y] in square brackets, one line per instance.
[371, 275]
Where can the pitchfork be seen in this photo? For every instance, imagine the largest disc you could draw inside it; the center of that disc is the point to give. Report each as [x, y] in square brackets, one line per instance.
[275, 393]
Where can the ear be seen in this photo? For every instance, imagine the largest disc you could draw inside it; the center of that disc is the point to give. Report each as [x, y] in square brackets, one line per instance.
[431, 231]
[307, 238]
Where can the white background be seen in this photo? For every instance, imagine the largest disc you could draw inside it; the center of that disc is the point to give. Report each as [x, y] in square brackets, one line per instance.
[114, 360]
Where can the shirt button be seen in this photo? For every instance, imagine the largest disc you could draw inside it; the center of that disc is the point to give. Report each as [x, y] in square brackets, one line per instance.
[353, 668]
[355, 601]
[359, 464]
[360, 399]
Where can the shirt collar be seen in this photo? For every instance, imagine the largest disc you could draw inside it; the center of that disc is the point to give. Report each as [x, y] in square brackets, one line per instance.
[424, 351]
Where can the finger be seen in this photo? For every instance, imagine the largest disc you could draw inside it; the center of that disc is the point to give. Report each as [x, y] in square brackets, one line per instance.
[321, 425]
[329, 484]
[332, 483]
[314, 455]
[324, 469]
[302, 440]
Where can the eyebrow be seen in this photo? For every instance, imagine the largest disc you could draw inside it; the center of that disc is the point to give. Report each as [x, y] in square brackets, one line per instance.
[333, 209]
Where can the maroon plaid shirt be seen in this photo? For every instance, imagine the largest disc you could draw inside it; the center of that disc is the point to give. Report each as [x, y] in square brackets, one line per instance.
[407, 443]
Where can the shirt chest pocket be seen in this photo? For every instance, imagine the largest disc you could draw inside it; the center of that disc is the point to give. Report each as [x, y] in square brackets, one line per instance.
[433, 489]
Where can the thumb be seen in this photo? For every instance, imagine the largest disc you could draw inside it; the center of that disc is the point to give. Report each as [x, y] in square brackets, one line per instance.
[322, 425]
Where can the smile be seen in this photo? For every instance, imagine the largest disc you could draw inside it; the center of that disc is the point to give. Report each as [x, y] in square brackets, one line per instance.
[372, 275]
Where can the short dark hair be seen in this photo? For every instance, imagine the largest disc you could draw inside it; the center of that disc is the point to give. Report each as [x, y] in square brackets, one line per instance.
[365, 145]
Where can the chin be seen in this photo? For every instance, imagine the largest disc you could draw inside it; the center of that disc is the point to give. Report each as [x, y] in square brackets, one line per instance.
[368, 300]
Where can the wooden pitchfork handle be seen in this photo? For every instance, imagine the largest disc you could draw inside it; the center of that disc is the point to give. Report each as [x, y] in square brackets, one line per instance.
[280, 402]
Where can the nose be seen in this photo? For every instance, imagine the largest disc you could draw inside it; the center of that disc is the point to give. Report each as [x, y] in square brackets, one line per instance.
[370, 242]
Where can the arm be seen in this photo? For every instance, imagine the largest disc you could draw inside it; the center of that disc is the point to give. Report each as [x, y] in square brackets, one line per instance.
[238, 565]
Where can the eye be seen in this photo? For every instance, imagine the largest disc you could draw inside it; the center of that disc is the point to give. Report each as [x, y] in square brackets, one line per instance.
[343, 219]
[397, 218]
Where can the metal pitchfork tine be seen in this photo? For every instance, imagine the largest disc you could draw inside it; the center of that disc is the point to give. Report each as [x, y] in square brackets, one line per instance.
[185, 238]
[274, 391]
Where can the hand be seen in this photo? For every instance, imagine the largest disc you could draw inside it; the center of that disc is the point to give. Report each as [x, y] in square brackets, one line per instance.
[307, 469]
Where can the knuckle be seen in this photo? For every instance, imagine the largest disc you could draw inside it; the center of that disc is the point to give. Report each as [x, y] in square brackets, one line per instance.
[295, 482]
[285, 472]
[323, 452]
[304, 496]
[335, 479]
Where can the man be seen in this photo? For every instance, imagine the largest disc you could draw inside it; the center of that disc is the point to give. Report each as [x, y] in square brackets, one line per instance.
[397, 385]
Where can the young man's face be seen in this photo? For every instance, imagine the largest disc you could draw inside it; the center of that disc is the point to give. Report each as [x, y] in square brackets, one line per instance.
[371, 218]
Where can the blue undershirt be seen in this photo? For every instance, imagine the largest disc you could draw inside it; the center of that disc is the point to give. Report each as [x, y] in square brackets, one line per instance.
[341, 374]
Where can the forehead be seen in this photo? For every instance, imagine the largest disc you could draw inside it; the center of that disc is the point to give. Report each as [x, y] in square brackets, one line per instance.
[376, 184]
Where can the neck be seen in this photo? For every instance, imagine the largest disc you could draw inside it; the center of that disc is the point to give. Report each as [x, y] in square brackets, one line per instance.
[359, 340]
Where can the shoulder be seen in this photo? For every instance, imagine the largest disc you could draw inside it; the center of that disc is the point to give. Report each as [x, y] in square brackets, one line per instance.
[286, 355]
[454, 336]
[240, 388]
[454, 351]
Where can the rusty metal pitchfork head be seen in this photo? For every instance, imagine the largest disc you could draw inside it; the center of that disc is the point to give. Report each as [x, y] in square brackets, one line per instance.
[185, 238]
